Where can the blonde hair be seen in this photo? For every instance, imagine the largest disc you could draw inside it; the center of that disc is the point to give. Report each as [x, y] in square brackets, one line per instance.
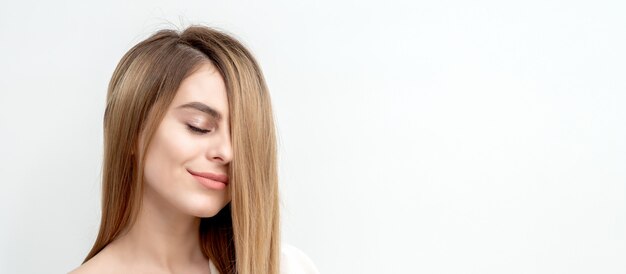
[244, 236]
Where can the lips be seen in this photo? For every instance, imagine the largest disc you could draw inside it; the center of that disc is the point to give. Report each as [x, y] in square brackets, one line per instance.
[211, 176]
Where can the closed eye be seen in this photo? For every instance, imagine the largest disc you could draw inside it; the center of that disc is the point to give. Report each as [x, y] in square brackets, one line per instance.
[196, 130]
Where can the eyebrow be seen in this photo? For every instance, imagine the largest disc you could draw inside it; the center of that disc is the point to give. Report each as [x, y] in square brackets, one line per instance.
[202, 107]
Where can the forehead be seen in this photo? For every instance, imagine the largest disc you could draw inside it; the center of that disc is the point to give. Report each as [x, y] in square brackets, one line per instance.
[204, 85]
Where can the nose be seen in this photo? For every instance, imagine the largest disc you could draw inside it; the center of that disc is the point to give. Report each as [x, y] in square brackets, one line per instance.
[221, 150]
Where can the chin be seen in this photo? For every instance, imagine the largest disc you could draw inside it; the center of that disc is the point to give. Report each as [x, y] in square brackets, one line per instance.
[206, 213]
[205, 208]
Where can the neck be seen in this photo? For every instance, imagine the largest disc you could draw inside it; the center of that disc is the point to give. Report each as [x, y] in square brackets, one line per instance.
[162, 236]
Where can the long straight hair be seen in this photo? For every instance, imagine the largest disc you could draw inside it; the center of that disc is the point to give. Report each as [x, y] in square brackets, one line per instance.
[244, 236]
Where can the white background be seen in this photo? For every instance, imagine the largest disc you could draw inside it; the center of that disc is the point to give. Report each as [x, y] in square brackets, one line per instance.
[415, 137]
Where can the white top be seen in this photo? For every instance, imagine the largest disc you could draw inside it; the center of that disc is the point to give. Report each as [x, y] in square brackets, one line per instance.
[292, 261]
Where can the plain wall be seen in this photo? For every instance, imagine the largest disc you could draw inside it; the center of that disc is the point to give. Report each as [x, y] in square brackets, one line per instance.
[415, 137]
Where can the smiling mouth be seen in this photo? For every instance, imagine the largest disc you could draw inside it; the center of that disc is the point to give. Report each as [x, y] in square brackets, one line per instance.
[210, 180]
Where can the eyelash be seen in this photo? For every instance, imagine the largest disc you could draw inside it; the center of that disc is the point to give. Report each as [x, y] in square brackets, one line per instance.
[196, 130]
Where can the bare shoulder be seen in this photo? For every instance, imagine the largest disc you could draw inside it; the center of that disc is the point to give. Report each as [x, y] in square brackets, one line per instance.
[295, 261]
[84, 268]
[103, 263]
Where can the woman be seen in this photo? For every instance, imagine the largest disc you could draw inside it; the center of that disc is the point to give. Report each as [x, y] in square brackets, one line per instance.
[189, 172]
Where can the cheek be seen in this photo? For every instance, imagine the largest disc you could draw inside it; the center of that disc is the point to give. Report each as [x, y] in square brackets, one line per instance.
[167, 155]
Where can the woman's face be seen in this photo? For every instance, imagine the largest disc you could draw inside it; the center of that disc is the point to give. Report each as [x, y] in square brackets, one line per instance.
[191, 143]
